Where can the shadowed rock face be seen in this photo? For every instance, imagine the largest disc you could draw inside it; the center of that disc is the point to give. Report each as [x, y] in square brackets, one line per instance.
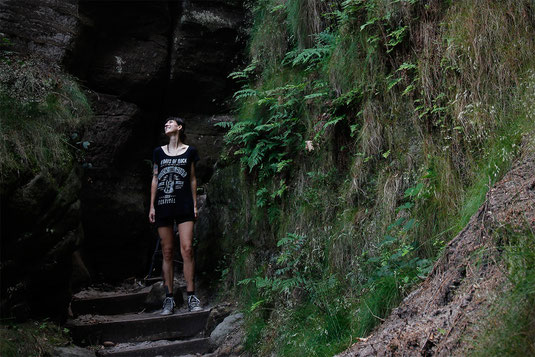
[42, 220]
[125, 49]
[206, 46]
[47, 28]
[41, 217]
[140, 62]
[147, 60]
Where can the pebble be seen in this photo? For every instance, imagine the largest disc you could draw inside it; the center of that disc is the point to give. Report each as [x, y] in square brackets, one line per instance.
[108, 344]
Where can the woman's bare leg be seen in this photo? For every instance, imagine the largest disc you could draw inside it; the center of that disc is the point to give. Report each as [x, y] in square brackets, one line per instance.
[186, 241]
[166, 236]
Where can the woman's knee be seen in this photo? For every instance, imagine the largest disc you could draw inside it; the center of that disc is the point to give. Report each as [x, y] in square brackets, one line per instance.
[167, 253]
[187, 251]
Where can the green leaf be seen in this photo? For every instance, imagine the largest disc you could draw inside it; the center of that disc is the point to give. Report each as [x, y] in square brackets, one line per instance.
[224, 124]
[397, 223]
[409, 89]
[256, 305]
[414, 191]
[368, 23]
[245, 93]
[406, 205]
[406, 66]
[246, 281]
[410, 223]
[393, 82]
[315, 95]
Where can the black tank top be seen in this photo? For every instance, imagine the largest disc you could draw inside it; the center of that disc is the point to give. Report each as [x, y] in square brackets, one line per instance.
[173, 194]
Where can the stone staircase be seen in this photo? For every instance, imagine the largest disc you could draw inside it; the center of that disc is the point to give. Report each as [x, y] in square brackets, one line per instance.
[120, 320]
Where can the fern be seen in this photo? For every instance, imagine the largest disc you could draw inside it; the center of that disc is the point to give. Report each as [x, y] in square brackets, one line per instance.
[245, 93]
[224, 124]
[256, 156]
[246, 73]
[309, 57]
[327, 125]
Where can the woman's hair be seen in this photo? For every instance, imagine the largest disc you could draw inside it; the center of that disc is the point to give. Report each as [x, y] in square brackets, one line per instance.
[181, 133]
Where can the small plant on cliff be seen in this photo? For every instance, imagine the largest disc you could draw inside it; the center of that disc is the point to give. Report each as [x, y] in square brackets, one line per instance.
[40, 107]
[508, 328]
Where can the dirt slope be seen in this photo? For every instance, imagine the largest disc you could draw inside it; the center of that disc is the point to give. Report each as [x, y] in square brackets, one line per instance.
[439, 317]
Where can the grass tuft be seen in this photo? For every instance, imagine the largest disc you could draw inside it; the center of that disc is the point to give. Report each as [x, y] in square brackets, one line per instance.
[40, 110]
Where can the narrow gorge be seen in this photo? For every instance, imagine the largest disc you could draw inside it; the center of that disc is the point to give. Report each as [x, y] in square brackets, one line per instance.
[366, 182]
[137, 63]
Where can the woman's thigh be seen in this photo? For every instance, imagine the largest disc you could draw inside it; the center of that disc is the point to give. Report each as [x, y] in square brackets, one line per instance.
[166, 236]
[185, 230]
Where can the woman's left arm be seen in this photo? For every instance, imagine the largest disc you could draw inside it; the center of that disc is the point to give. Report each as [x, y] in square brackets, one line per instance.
[194, 188]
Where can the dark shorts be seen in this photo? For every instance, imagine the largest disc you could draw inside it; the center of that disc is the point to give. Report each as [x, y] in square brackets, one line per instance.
[169, 221]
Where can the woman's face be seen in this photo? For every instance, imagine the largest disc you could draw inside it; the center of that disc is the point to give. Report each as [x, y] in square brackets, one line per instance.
[171, 127]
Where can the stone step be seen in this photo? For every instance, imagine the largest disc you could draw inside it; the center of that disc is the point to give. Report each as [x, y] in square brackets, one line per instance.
[162, 348]
[112, 303]
[96, 329]
[152, 280]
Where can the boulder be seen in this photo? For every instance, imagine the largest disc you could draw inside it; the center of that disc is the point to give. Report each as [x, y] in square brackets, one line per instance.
[111, 130]
[217, 315]
[47, 28]
[125, 45]
[43, 229]
[207, 44]
[130, 68]
[229, 326]
[228, 336]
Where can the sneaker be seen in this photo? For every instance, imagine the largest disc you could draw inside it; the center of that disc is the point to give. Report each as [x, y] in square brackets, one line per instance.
[168, 306]
[194, 304]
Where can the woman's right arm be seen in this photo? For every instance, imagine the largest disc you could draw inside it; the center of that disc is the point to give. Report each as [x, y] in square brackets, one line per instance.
[153, 187]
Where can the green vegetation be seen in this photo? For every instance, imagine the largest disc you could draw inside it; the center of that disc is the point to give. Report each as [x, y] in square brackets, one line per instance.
[40, 110]
[508, 330]
[369, 132]
[33, 338]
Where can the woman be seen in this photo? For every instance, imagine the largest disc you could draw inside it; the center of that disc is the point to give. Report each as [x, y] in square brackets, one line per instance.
[173, 199]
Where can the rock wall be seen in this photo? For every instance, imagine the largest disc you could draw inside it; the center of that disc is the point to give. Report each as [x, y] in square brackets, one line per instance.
[40, 211]
[43, 220]
[148, 60]
[140, 62]
[48, 28]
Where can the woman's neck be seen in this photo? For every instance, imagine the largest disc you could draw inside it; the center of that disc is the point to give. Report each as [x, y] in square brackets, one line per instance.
[174, 142]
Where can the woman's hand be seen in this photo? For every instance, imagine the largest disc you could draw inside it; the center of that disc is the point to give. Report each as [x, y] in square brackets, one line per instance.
[195, 212]
[152, 215]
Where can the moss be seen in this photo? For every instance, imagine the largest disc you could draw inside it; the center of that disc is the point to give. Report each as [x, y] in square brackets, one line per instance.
[41, 110]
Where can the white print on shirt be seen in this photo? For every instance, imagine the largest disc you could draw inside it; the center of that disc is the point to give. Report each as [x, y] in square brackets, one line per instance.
[169, 180]
[173, 162]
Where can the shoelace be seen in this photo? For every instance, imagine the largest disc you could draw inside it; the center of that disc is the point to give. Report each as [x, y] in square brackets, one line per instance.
[168, 303]
[193, 301]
